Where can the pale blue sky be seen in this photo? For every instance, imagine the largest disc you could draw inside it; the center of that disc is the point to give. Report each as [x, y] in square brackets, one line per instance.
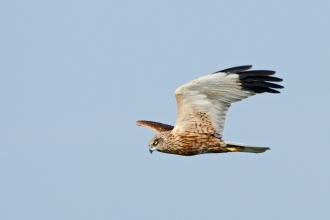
[76, 75]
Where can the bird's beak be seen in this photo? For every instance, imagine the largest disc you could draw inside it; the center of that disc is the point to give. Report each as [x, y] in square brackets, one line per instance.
[150, 150]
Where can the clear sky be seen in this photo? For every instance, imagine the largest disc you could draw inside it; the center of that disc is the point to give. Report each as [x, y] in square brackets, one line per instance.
[76, 75]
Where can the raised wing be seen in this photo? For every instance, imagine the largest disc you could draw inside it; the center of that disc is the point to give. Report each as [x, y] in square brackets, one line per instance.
[203, 103]
[155, 126]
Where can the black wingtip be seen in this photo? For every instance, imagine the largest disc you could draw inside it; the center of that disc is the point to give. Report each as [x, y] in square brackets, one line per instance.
[236, 69]
[258, 81]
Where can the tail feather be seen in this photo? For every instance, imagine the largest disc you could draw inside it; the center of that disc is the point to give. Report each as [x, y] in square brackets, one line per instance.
[236, 147]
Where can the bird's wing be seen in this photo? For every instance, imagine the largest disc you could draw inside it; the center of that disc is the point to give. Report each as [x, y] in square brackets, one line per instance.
[156, 126]
[203, 103]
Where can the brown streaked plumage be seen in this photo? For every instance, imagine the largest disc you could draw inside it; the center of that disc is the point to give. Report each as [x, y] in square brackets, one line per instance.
[202, 107]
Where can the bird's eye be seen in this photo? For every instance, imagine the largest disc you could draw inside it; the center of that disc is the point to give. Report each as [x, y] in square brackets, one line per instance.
[155, 142]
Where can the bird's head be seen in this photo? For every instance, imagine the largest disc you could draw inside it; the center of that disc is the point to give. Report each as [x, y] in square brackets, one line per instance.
[157, 142]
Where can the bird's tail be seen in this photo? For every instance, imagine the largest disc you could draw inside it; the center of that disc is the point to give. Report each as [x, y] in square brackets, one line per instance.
[236, 147]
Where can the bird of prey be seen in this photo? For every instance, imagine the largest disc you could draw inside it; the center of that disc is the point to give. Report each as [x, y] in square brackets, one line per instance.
[202, 107]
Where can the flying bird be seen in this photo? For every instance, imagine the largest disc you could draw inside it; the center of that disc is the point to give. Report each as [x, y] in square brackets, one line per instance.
[202, 107]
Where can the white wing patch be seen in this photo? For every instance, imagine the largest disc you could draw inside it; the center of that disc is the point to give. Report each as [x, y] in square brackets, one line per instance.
[203, 103]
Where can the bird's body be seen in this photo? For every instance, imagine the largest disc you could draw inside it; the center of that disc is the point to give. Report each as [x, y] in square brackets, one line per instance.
[202, 109]
[190, 144]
